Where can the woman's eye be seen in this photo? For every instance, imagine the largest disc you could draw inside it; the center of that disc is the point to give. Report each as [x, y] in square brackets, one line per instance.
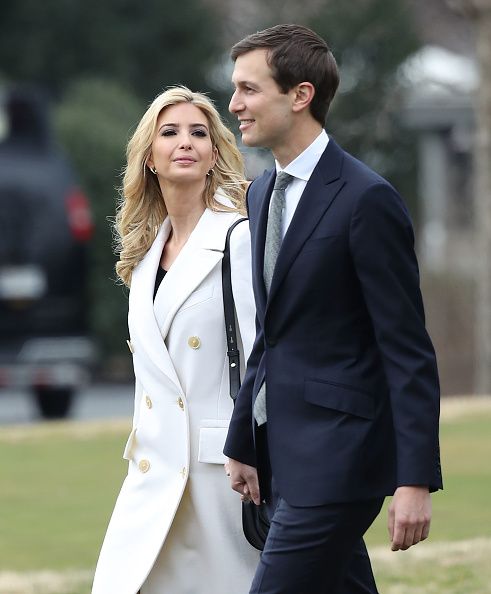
[200, 133]
[168, 132]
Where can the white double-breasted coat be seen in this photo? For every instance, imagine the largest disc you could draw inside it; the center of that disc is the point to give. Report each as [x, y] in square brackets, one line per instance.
[176, 527]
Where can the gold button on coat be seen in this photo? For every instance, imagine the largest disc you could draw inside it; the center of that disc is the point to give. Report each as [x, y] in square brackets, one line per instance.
[148, 402]
[194, 342]
[130, 346]
[180, 402]
[144, 466]
[183, 472]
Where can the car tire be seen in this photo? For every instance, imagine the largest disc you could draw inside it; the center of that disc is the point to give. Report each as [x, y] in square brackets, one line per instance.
[53, 403]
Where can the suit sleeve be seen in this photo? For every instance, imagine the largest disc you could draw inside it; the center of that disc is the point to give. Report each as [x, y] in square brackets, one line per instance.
[382, 247]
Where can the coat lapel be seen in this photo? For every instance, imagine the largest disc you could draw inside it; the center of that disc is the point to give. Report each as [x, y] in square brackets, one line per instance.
[202, 252]
[144, 329]
[150, 321]
[321, 189]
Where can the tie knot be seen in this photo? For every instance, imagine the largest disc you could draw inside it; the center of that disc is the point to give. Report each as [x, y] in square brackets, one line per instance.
[282, 180]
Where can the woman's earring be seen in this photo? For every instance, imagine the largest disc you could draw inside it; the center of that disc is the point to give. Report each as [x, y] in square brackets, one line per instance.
[210, 172]
[153, 170]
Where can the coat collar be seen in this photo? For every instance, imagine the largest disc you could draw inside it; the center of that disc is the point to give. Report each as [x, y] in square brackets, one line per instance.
[150, 321]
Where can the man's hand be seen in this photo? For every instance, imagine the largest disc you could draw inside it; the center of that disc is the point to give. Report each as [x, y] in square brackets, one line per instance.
[243, 479]
[409, 517]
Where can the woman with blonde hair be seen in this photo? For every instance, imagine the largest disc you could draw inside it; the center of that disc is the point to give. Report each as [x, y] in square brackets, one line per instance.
[176, 527]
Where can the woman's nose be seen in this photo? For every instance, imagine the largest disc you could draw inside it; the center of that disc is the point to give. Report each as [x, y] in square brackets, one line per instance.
[185, 141]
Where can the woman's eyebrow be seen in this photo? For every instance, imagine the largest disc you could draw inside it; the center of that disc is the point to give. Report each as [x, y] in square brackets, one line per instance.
[173, 125]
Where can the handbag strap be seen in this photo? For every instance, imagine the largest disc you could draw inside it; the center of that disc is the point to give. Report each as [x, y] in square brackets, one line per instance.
[229, 314]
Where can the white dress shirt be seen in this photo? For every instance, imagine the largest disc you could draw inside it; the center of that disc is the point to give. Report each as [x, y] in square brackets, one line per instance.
[301, 169]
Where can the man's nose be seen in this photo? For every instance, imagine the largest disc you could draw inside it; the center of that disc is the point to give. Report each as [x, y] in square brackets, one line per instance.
[235, 105]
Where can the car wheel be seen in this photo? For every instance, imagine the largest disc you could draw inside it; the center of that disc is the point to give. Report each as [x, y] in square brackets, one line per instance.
[53, 403]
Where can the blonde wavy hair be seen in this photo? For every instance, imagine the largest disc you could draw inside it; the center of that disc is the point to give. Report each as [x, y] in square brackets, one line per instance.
[141, 207]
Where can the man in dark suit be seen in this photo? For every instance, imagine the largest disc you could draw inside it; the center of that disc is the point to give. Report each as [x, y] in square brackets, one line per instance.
[340, 403]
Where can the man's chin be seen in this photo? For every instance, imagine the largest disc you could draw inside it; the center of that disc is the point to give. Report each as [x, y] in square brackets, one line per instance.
[248, 140]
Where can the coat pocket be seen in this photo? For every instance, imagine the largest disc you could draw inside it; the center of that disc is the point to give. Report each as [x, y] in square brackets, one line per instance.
[212, 435]
[340, 397]
[130, 443]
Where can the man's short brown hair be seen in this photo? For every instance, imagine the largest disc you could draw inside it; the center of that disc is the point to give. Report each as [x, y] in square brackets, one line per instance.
[296, 54]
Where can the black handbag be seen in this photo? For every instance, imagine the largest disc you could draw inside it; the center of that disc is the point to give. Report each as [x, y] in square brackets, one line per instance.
[255, 519]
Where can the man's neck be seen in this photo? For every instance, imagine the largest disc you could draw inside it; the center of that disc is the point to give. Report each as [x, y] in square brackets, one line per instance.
[298, 140]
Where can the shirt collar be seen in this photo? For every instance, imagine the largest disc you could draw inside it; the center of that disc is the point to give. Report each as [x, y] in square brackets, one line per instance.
[302, 166]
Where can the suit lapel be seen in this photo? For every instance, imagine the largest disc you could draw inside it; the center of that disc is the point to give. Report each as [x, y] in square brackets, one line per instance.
[263, 188]
[321, 189]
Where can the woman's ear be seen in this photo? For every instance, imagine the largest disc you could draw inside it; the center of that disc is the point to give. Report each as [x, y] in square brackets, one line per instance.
[303, 93]
[215, 157]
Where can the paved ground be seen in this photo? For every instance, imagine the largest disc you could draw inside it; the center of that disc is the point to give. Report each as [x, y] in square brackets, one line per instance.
[96, 402]
[103, 401]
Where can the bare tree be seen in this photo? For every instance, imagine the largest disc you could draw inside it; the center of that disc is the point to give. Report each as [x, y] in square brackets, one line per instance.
[479, 11]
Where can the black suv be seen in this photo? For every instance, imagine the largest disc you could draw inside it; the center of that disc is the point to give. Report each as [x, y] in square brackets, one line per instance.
[45, 227]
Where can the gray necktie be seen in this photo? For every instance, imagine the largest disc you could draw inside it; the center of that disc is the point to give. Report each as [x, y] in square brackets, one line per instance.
[271, 250]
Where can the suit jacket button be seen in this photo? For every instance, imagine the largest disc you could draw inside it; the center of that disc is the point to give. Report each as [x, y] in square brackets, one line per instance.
[148, 402]
[144, 466]
[194, 342]
[180, 402]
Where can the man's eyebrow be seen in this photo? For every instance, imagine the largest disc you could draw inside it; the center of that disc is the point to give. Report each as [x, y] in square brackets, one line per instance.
[244, 83]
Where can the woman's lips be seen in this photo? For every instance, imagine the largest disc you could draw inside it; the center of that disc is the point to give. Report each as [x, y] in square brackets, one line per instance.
[184, 160]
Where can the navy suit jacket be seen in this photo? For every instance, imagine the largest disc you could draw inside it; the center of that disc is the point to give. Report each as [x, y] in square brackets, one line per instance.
[351, 376]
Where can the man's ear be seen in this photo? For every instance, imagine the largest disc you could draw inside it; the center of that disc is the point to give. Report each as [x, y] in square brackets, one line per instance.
[303, 93]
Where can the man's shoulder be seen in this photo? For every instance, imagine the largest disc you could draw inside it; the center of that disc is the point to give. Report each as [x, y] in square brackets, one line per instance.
[261, 181]
[257, 189]
[355, 170]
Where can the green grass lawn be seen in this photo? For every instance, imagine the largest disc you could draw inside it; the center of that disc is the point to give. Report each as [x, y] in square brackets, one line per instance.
[59, 481]
[463, 509]
[456, 557]
[58, 484]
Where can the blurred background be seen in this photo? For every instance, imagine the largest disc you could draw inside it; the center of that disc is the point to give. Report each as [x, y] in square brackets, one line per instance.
[76, 76]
